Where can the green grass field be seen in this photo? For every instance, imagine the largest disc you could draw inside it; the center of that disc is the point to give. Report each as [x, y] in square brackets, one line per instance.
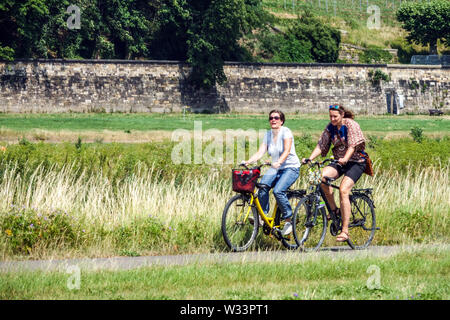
[421, 274]
[21, 123]
[73, 199]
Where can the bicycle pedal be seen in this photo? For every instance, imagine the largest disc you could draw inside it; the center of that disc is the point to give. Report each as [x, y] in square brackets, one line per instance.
[309, 224]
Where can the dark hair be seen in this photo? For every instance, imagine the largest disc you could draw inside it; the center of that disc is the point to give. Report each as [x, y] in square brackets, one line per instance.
[345, 112]
[282, 118]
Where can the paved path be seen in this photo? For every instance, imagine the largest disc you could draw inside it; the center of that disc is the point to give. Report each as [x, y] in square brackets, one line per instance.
[128, 263]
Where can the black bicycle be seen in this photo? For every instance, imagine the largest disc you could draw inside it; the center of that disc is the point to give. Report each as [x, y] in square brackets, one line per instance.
[310, 216]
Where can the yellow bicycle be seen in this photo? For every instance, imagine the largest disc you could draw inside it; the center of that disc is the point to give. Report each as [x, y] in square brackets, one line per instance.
[241, 223]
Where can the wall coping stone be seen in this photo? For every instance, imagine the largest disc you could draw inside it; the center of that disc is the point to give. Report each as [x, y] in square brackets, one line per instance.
[163, 62]
[228, 63]
[416, 66]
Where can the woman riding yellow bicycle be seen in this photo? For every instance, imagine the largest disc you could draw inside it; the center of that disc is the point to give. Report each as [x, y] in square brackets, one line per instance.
[279, 143]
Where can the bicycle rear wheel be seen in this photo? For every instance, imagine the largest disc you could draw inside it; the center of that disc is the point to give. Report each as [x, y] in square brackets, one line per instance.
[362, 222]
[237, 230]
[309, 232]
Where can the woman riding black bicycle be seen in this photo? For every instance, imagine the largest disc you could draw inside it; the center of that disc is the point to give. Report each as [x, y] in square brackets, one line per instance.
[348, 140]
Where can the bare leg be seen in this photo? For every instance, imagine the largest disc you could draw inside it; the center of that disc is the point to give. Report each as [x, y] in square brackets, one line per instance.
[328, 190]
[344, 192]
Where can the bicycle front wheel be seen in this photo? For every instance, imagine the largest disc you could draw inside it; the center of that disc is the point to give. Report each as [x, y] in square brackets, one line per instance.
[289, 241]
[309, 230]
[237, 230]
[362, 225]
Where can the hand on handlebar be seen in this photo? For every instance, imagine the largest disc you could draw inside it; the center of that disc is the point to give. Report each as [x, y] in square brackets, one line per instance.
[246, 164]
[342, 162]
[305, 161]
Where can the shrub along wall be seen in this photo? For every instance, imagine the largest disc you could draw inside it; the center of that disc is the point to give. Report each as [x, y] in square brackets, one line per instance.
[160, 86]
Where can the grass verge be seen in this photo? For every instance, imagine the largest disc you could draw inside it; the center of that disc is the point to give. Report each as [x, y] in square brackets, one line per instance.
[421, 274]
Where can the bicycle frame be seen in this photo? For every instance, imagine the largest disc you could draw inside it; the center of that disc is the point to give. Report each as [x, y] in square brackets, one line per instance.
[254, 201]
[333, 216]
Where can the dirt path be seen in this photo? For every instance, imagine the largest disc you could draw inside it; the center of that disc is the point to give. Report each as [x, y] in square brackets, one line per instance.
[128, 263]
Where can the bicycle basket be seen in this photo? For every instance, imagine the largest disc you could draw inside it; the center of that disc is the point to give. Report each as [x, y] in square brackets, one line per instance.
[245, 180]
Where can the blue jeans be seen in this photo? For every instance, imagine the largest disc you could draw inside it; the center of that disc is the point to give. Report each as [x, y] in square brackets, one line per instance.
[280, 182]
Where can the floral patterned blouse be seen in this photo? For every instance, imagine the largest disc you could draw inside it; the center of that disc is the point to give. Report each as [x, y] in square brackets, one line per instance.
[349, 135]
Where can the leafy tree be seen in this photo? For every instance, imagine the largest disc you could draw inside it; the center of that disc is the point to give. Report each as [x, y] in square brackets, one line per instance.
[120, 29]
[205, 33]
[426, 22]
[324, 39]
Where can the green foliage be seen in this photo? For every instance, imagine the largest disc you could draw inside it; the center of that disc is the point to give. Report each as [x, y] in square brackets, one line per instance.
[6, 53]
[285, 48]
[413, 84]
[375, 55]
[403, 153]
[426, 22]
[377, 75]
[373, 141]
[78, 144]
[417, 134]
[118, 29]
[324, 39]
[143, 233]
[406, 51]
[25, 229]
[306, 40]
[205, 33]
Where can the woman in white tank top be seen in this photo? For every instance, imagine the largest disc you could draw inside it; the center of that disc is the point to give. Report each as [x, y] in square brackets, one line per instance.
[279, 143]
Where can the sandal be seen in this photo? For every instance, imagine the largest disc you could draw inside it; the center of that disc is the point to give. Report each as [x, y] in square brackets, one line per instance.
[337, 212]
[343, 236]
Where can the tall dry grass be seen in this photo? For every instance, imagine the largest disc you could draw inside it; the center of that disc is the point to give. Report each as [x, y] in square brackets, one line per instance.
[143, 215]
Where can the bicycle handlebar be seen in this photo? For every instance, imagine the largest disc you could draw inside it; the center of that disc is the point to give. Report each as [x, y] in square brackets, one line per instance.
[321, 164]
[258, 166]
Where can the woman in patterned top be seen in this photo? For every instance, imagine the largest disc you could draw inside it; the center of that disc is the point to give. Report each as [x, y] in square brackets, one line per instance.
[348, 141]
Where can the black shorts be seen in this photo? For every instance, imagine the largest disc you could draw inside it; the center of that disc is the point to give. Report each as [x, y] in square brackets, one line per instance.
[353, 170]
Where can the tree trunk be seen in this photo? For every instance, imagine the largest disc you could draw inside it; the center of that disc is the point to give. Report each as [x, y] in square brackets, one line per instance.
[433, 47]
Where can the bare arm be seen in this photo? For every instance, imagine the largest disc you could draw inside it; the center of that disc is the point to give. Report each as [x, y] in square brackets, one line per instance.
[347, 156]
[258, 155]
[316, 152]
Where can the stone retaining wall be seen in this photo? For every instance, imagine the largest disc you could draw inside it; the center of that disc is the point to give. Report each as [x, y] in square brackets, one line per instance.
[53, 86]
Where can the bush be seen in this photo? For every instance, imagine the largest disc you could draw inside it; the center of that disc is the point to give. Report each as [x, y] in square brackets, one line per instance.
[325, 40]
[417, 134]
[406, 51]
[306, 40]
[293, 50]
[377, 75]
[25, 229]
[6, 53]
[375, 55]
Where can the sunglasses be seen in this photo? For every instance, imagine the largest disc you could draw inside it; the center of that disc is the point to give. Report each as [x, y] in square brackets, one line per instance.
[335, 107]
[274, 118]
